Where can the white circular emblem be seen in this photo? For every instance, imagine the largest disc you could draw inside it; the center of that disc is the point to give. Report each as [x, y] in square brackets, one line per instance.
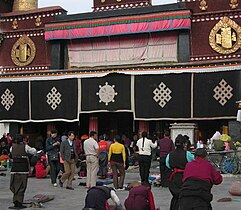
[106, 93]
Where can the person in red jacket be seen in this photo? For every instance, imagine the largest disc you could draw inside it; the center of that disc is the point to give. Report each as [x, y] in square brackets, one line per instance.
[41, 168]
[198, 178]
[140, 197]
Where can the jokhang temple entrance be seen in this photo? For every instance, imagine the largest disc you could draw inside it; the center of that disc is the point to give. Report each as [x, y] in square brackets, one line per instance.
[128, 66]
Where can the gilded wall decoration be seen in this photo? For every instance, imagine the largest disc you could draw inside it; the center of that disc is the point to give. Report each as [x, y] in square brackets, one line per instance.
[233, 4]
[38, 22]
[15, 25]
[23, 51]
[203, 5]
[225, 37]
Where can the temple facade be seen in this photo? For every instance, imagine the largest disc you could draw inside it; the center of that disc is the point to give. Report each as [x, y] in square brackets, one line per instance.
[126, 67]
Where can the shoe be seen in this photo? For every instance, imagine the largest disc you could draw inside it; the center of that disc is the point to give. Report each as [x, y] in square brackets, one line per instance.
[120, 189]
[55, 184]
[61, 183]
[22, 207]
[69, 188]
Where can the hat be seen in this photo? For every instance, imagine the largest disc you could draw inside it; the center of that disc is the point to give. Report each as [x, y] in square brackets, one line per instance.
[201, 152]
[83, 137]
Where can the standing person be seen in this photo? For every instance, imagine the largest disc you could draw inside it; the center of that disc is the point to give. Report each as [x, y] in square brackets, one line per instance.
[145, 147]
[91, 149]
[70, 157]
[19, 170]
[52, 148]
[177, 160]
[103, 157]
[198, 179]
[166, 146]
[9, 139]
[117, 160]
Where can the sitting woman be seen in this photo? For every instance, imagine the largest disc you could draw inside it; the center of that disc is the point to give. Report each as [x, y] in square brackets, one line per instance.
[97, 198]
[140, 197]
[41, 168]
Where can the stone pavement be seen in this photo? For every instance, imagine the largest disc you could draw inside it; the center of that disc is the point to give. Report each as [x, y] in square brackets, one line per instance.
[67, 199]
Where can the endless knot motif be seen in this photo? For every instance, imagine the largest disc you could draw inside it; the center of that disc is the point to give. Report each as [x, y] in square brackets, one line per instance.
[223, 92]
[54, 98]
[162, 95]
[106, 93]
[7, 99]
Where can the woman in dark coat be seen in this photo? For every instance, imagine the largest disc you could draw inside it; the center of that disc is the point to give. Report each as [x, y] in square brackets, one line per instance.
[176, 161]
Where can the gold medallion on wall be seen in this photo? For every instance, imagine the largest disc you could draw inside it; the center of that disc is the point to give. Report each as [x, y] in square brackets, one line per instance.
[225, 37]
[23, 51]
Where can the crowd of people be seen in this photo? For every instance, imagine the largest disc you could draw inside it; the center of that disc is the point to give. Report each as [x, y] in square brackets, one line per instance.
[189, 176]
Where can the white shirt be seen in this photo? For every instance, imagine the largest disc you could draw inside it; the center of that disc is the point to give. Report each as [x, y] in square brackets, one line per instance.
[90, 146]
[148, 146]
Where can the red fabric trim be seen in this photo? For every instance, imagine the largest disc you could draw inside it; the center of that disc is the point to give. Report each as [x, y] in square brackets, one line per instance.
[80, 32]
[178, 23]
[158, 25]
[118, 29]
[134, 27]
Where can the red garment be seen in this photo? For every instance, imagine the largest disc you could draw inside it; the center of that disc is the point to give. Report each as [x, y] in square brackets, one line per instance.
[175, 170]
[40, 170]
[78, 145]
[151, 200]
[4, 157]
[140, 198]
[103, 145]
[202, 169]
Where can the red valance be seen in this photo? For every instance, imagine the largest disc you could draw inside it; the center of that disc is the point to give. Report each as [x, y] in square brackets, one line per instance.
[117, 26]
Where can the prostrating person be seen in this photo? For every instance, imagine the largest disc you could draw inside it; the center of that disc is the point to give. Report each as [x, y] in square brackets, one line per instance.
[97, 198]
[140, 197]
[198, 178]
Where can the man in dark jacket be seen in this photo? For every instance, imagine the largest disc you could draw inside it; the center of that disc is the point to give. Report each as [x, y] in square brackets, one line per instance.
[198, 178]
[166, 146]
[19, 170]
[69, 156]
[52, 148]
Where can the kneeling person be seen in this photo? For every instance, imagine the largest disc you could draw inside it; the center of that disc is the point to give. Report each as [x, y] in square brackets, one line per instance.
[198, 179]
[97, 198]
